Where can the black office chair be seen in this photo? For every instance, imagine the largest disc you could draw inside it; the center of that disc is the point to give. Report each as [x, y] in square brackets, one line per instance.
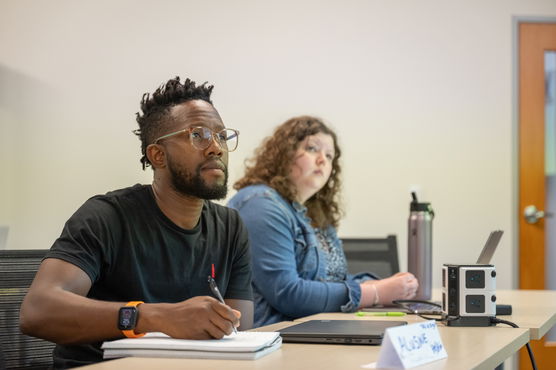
[376, 255]
[18, 351]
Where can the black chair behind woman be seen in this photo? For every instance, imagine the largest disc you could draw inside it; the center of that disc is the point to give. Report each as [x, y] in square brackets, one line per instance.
[379, 255]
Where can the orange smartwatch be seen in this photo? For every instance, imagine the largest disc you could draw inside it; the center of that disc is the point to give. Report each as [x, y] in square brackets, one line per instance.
[127, 319]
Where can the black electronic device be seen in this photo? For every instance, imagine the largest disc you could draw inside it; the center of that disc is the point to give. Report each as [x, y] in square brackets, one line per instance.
[127, 318]
[338, 331]
[469, 294]
[469, 291]
[416, 306]
[503, 309]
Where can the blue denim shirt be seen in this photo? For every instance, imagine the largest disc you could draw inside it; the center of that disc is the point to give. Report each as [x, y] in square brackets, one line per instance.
[289, 268]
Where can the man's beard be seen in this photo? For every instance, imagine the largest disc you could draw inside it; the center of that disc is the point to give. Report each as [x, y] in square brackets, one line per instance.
[194, 185]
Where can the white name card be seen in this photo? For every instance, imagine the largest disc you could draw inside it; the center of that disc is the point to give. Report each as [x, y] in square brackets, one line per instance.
[411, 345]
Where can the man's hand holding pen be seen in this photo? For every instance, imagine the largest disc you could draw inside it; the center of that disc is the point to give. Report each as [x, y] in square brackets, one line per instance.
[216, 292]
[201, 317]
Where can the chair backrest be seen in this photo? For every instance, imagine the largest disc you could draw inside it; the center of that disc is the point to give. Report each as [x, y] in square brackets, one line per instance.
[376, 255]
[17, 270]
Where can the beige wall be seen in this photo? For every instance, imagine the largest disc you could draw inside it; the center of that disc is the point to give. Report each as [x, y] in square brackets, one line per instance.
[420, 93]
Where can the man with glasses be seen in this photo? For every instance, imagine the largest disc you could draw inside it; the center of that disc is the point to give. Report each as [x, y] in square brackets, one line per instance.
[137, 260]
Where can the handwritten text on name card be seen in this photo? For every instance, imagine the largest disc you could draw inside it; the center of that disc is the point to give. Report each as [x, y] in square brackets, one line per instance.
[411, 345]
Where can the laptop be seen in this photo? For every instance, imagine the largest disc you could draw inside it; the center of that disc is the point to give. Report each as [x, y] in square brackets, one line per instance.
[338, 331]
[490, 247]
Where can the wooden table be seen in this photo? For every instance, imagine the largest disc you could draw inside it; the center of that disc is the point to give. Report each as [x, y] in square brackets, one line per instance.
[468, 348]
[532, 309]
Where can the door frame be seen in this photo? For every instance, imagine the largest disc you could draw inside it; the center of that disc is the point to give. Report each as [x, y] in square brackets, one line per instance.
[517, 214]
[537, 280]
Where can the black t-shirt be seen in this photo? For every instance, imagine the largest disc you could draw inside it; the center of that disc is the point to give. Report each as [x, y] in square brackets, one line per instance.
[132, 252]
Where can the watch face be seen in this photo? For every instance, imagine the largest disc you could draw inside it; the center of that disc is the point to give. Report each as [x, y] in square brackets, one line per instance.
[127, 318]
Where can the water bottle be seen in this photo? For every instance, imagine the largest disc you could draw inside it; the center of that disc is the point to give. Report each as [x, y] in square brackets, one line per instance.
[419, 245]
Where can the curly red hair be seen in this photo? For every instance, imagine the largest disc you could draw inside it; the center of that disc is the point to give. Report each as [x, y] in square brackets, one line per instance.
[271, 165]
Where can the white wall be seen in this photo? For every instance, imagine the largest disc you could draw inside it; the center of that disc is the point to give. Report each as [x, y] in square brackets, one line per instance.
[420, 93]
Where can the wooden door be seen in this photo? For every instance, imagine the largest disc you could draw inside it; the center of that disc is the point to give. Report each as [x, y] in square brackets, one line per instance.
[534, 40]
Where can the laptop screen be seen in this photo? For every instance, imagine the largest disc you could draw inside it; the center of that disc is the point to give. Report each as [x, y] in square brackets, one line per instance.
[490, 247]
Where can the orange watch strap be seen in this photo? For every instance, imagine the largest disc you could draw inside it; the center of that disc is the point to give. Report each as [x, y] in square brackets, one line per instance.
[131, 333]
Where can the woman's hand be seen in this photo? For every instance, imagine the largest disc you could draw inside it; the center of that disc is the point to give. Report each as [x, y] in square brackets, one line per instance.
[402, 285]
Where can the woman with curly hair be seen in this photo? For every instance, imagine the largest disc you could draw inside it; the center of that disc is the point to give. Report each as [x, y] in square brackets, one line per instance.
[288, 199]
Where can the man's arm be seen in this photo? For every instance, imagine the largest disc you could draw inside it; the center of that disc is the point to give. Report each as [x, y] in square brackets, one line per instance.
[56, 308]
[246, 309]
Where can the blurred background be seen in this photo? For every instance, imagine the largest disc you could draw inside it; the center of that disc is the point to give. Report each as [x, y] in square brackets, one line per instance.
[421, 93]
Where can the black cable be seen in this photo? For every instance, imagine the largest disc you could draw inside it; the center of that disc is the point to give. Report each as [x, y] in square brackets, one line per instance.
[495, 320]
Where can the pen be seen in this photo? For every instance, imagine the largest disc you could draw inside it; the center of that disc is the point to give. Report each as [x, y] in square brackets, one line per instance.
[390, 313]
[216, 292]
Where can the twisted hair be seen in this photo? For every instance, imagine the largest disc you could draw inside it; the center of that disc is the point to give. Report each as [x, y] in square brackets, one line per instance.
[155, 118]
[271, 165]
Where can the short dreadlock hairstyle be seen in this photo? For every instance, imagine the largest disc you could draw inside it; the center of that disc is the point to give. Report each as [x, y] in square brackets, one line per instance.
[154, 120]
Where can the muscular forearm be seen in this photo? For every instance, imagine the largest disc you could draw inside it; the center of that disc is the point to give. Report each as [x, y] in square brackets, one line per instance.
[68, 318]
[57, 309]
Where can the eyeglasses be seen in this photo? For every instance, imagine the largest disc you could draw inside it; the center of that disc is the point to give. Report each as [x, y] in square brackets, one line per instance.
[201, 137]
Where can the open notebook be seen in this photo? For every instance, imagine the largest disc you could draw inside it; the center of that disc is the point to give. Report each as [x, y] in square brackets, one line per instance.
[241, 346]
